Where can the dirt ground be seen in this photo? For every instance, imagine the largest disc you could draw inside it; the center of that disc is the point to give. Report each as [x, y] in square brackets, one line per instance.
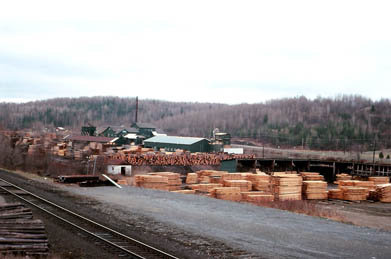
[363, 213]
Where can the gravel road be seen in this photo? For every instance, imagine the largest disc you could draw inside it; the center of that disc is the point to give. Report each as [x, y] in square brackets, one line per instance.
[266, 232]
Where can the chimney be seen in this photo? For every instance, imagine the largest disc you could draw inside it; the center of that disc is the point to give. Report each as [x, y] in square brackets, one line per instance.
[136, 109]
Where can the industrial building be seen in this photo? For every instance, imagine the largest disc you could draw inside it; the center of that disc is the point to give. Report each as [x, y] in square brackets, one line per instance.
[172, 143]
[116, 131]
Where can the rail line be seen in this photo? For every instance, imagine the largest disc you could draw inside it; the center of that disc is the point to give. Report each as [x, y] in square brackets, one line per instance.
[124, 246]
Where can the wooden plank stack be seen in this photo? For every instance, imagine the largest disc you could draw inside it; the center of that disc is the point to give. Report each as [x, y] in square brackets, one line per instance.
[343, 177]
[210, 176]
[20, 233]
[227, 193]
[260, 182]
[286, 186]
[232, 176]
[257, 197]
[379, 179]
[205, 188]
[191, 178]
[245, 186]
[384, 192]
[315, 190]
[335, 194]
[352, 193]
[165, 181]
[312, 176]
[185, 191]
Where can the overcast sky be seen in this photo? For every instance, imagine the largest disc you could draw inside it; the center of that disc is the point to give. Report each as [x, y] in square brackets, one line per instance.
[214, 51]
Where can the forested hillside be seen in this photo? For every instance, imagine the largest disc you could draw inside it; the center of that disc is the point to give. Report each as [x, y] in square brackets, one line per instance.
[339, 123]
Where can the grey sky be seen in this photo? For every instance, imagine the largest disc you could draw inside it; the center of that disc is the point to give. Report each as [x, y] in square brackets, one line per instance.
[216, 51]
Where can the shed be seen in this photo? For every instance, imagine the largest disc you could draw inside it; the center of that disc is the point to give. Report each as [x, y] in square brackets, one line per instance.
[125, 170]
[171, 143]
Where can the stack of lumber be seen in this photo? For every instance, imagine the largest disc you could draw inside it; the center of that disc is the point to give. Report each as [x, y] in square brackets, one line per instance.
[185, 191]
[232, 176]
[286, 186]
[227, 193]
[174, 179]
[343, 177]
[311, 176]
[384, 192]
[257, 197]
[369, 185]
[191, 178]
[379, 179]
[205, 188]
[351, 193]
[20, 233]
[210, 176]
[335, 194]
[245, 186]
[315, 190]
[260, 182]
[165, 181]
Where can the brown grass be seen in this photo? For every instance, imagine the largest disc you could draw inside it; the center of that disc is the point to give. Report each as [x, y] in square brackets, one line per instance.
[304, 207]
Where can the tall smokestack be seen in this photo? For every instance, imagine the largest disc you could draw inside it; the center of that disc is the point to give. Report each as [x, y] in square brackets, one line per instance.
[136, 109]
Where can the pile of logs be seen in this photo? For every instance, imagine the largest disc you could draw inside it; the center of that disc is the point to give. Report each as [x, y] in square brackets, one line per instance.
[20, 233]
[160, 159]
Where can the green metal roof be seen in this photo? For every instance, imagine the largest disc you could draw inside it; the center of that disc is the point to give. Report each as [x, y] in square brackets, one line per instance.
[173, 140]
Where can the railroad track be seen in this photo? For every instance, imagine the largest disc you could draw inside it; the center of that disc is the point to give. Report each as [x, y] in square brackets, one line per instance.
[117, 243]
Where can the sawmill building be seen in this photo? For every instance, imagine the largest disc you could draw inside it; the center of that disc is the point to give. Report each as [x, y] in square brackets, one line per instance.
[172, 143]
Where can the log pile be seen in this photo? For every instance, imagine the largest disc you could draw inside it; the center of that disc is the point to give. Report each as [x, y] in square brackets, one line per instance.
[160, 159]
[315, 190]
[383, 192]
[286, 186]
[20, 233]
